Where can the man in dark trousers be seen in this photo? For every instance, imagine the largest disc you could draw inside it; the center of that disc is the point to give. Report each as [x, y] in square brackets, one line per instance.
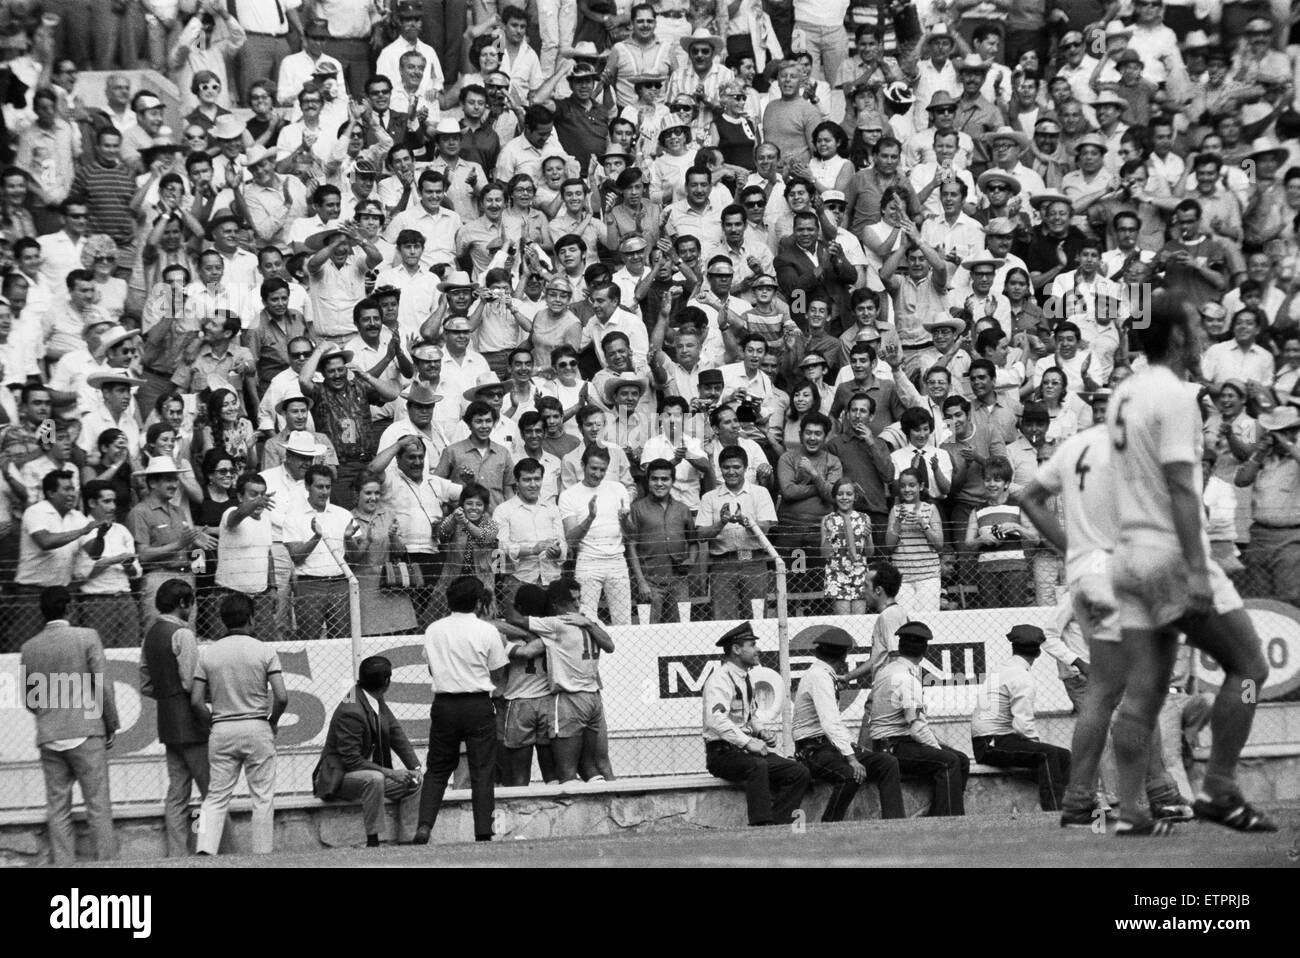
[466, 657]
[899, 726]
[1002, 729]
[358, 758]
[738, 750]
[76, 717]
[167, 660]
[822, 741]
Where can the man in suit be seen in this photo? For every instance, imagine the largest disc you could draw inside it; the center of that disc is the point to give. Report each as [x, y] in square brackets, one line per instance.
[76, 719]
[804, 264]
[358, 758]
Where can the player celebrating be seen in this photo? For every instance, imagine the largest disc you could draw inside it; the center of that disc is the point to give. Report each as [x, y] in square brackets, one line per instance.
[1165, 580]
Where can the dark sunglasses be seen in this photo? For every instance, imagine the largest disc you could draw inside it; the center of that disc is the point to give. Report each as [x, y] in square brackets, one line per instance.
[568, 365]
[944, 109]
[300, 355]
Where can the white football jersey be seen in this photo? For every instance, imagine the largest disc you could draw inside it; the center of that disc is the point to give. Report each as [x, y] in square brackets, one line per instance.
[1153, 421]
[1080, 474]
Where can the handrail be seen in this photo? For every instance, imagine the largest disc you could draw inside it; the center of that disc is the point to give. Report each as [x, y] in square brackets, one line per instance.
[782, 637]
[354, 607]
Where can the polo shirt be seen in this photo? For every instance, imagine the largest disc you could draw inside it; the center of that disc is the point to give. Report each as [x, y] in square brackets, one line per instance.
[37, 566]
[734, 539]
[237, 670]
[663, 534]
[492, 468]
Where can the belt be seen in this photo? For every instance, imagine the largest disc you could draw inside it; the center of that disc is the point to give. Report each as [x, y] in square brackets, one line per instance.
[815, 742]
[925, 345]
[718, 745]
[185, 567]
[673, 14]
[322, 578]
[461, 695]
[273, 36]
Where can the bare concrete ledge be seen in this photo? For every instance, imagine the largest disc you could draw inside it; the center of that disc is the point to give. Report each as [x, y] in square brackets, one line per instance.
[622, 807]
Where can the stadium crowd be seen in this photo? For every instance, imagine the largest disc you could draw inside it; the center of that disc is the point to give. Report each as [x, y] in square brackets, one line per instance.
[415, 292]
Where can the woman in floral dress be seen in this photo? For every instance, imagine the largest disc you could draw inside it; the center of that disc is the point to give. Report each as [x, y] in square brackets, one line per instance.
[846, 545]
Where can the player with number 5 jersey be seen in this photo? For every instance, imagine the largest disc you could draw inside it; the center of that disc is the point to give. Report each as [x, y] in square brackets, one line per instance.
[1165, 581]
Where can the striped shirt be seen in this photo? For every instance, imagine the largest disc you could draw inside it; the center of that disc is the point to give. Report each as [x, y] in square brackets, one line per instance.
[108, 191]
[915, 558]
[1009, 555]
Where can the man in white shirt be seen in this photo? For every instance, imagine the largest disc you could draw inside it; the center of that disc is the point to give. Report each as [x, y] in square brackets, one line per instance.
[410, 19]
[284, 483]
[462, 366]
[105, 563]
[244, 562]
[608, 315]
[297, 68]
[728, 514]
[315, 539]
[518, 58]
[524, 153]
[47, 549]
[597, 514]
[438, 225]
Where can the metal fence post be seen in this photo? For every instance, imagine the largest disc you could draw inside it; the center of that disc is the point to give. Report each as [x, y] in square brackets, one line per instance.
[354, 609]
[782, 638]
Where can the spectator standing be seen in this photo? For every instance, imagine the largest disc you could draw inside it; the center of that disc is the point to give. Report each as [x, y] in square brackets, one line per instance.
[239, 691]
[47, 550]
[915, 533]
[163, 532]
[727, 519]
[846, 547]
[530, 533]
[168, 659]
[664, 552]
[72, 735]
[105, 565]
[806, 477]
[244, 560]
[373, 540]
[1273, 474]
[320, 587]
[597, 515]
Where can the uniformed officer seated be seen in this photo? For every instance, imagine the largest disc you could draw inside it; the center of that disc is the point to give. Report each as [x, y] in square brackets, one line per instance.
[736, 748]
[899, 726]
[822, 741]
[1002, 729]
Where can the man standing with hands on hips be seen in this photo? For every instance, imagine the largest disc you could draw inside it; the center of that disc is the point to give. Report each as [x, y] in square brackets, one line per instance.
[736, 749]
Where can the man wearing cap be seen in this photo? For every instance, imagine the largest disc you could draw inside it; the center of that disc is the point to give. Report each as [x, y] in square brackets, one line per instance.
[164, 534]
[1002, 727]
[146, 129]
[976, 116]
[419, 401]
[899, 726]
[822, 741]
[410, 19]
[297, 68]
[736, 747]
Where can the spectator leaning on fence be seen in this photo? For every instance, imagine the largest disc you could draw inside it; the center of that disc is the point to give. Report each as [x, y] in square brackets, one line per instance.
[315, 540]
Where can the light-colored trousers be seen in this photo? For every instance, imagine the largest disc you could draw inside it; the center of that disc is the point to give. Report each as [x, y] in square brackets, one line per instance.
[611, 575]
[87, 765]
[248, 744]
[557, 20]
[372, 787]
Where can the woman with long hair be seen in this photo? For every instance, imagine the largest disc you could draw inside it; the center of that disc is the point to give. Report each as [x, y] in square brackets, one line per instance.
[372, 540]
[830, 168]
[218, 496]
[1026, 314]
[804, 398]
[226, 428]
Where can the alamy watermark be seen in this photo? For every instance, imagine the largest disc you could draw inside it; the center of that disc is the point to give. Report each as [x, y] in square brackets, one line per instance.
[82, 691]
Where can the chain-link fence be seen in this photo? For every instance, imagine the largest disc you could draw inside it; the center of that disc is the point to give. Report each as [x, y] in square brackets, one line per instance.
[323, 625]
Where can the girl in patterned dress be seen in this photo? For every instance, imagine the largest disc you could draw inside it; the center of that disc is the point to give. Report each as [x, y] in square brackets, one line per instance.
[846, 545]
